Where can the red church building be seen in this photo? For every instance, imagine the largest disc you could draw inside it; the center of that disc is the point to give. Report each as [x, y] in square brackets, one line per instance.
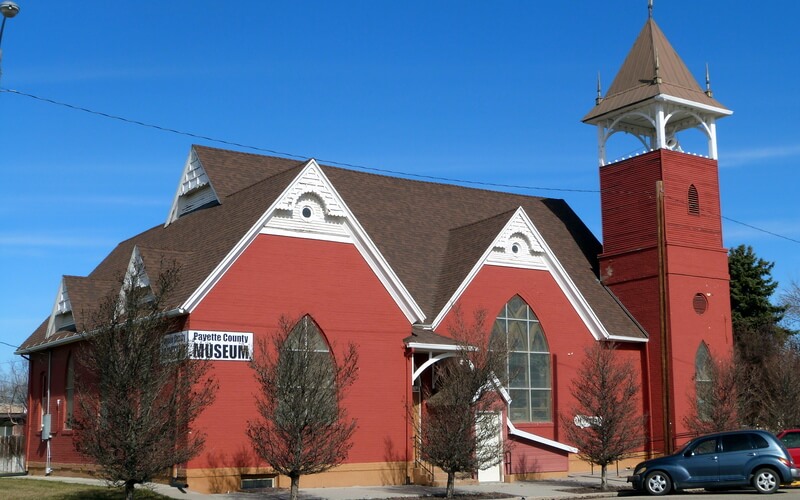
[385, 262]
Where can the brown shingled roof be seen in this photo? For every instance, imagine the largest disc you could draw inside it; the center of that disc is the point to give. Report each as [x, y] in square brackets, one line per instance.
[430, 234]
[425, 336]
[636, 80]
[231, 172]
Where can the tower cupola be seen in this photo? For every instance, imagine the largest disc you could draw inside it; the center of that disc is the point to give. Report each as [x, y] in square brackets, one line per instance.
[654, 97]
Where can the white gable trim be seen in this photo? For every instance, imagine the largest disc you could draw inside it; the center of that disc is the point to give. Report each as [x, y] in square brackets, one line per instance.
[136, 274]
[62, 306]
[330, 220]
[135, 277]
[539, 439]
[533, 253]
[193, 179]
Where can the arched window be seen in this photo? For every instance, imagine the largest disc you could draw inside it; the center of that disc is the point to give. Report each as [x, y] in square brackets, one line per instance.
[69, 392]
[703, 380]
[529, 377]
[306, 335]
[693, 201]
[309, 350]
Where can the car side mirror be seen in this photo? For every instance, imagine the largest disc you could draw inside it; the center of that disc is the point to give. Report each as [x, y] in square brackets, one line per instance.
[688, 454]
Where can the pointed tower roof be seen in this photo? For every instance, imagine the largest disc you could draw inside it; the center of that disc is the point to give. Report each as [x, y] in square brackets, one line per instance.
[652, 68]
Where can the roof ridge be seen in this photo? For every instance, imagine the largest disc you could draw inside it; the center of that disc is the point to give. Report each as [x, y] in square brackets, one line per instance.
[260, 155]
[484, 220]
[258, 183]
[451, 183]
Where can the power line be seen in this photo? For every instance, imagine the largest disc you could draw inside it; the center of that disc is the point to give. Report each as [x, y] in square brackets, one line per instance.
[148, 125]
[283, 153]
[761, 229]
[716, 214]
[345, 164]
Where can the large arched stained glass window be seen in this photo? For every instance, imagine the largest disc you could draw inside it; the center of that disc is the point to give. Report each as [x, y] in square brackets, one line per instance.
[703, 380]
[530, 385]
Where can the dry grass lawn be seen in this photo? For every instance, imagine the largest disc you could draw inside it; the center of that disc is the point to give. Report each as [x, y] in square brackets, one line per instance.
[18, 488]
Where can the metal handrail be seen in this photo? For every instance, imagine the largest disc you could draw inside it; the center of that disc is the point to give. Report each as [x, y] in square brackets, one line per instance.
[418, 462]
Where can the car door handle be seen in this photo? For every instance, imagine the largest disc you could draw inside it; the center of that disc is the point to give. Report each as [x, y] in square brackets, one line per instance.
[752, 454]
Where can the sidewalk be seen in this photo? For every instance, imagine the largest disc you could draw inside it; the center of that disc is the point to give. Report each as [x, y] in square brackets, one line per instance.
[574, 486]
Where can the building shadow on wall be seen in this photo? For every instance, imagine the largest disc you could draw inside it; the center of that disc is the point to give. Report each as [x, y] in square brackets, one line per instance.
[395, 471]
[226, 470]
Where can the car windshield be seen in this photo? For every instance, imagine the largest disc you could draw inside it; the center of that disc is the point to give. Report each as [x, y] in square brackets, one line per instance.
[686, 447]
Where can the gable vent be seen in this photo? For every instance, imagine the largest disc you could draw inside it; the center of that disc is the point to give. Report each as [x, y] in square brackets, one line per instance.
[194, 190]
[196, 199]
[693, 201]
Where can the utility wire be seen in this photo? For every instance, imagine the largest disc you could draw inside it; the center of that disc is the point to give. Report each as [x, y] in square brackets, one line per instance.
[283, 153]
[760, 229]
[344, 164]
[716, 214]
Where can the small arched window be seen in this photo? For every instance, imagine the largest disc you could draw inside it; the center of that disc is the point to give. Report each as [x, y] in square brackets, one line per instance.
[703, 381]
[693, 200]
[69, 393]
[530, 385]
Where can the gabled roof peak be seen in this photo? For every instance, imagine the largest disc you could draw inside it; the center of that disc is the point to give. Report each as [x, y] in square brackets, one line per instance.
[651, 68]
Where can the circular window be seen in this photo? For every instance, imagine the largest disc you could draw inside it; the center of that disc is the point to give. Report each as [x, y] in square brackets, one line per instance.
[515, 248]
[700, 303]
[307, 212]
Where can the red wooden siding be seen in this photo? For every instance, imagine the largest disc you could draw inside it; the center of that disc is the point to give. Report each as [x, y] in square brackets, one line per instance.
[330, 281]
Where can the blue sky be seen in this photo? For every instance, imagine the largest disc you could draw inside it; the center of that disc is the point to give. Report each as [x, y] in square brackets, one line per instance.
[481, 91]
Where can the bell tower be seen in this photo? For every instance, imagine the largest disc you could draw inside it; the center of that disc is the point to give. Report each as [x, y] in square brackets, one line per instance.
[662, 229]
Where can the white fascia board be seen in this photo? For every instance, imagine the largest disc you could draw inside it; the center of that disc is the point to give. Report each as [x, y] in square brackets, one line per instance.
[622, 338]
[422, 346]
[360, 239]
[539, 439]
[557, 271]
[45, 345]
[693, 104]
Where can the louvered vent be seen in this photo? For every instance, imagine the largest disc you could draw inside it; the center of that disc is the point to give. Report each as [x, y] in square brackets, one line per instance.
[700, 303]
[196, 199]
[693, 201]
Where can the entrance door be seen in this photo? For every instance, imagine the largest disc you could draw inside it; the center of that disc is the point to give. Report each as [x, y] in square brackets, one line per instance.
[493, 473]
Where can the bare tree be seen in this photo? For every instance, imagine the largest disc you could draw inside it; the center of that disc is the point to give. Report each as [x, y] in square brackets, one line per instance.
[136, 412]
[783, 397]
[756, 354]
[458, 432]
[790, 299]
[304, 427]
[714, 405]
[14, 389]
[606, 423]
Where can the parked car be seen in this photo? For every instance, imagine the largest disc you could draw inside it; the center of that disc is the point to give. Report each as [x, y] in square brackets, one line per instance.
[791, 440]
[723, 460]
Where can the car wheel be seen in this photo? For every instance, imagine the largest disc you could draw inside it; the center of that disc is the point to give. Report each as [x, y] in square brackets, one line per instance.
[765, 481]
[657, 483]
